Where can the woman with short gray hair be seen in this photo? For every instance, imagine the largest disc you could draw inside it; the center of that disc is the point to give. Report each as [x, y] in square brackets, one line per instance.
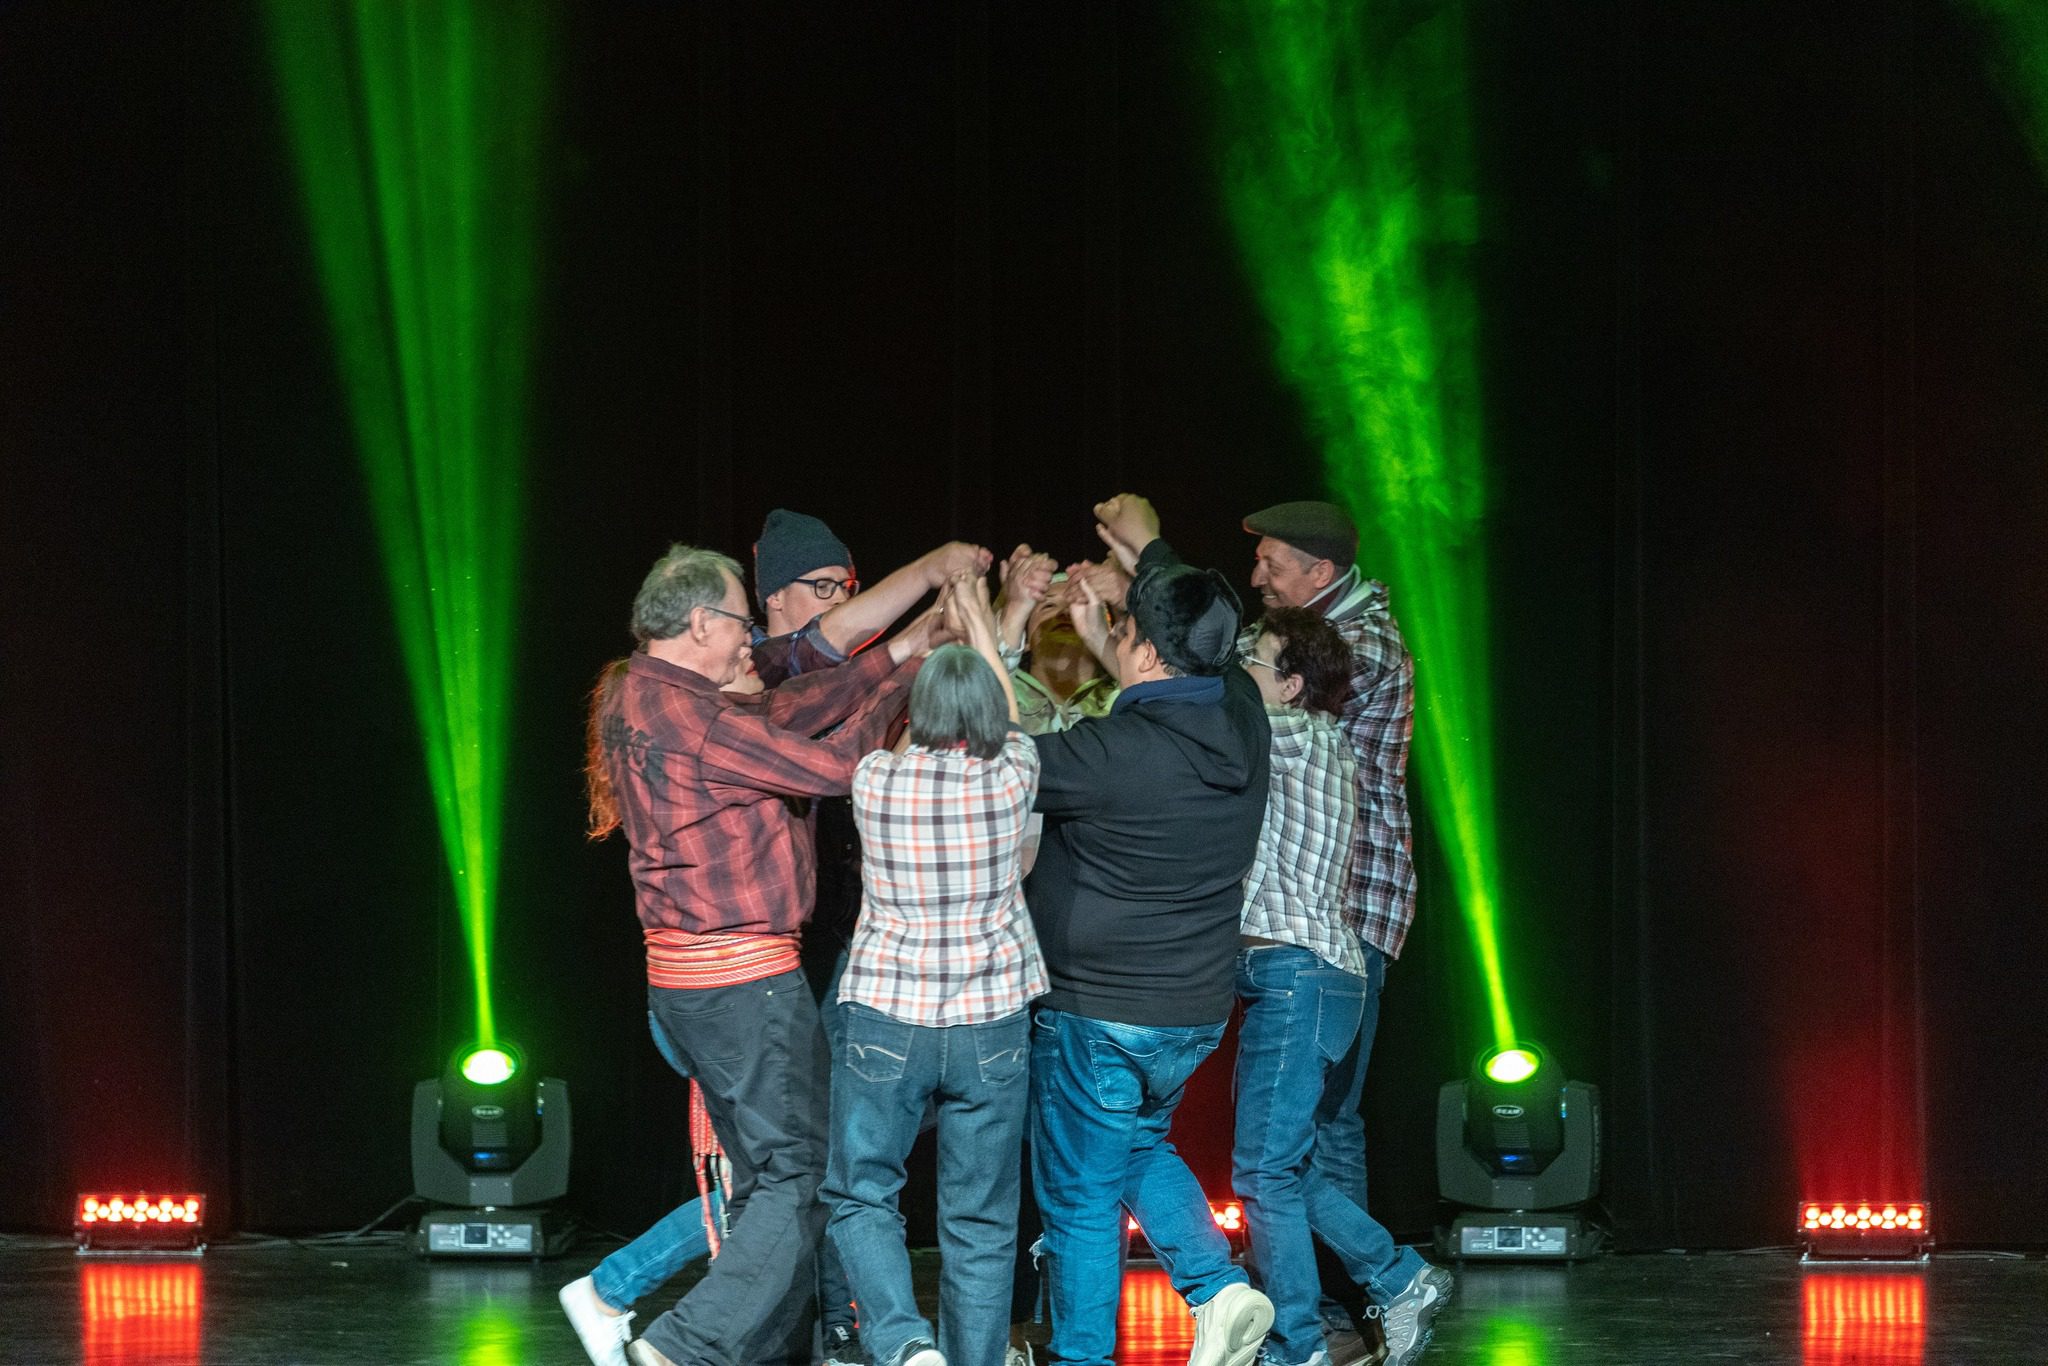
[937, 991]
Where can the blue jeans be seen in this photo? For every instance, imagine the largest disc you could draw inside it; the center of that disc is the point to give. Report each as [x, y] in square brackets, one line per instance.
[644, 1265]
[1103, 1096]
[676, 1239]
[1302, 1021]
[1340, 1129]
[975, 1076]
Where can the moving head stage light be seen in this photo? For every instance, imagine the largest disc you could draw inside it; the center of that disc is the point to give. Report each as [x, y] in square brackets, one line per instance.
[492, 1141]
[1520, 1147]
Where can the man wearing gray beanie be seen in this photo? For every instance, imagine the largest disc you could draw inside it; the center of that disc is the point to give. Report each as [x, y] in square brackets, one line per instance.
[815, 611]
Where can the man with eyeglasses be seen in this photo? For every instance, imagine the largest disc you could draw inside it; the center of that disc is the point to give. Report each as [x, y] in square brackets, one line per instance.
[815, 614]
[709, 790]
[1307, 556]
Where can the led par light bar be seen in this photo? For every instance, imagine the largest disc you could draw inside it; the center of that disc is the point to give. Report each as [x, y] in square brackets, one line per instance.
[1866, 1230]
[1228, 1216]
[140, 1223]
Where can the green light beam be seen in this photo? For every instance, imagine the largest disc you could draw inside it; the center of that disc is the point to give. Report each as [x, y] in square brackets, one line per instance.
[2019, 31]
[416, 128]
[1348, 178]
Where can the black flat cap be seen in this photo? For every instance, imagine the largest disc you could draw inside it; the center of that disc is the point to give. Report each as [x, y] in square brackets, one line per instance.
[1318, 529]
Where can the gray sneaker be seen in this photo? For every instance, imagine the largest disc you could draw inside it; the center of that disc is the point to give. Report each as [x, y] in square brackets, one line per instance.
[1408, 1314]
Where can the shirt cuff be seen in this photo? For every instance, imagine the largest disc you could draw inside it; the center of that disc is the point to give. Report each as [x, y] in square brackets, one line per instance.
[816, 636]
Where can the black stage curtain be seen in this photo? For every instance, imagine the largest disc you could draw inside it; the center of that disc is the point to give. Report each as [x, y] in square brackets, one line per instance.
[1761, 309]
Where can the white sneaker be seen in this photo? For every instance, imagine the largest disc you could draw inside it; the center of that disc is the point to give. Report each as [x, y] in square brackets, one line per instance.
[1017, 1356]
[925, 1356]
[604, 1335]
[1408, 1314]
[1230, 1328]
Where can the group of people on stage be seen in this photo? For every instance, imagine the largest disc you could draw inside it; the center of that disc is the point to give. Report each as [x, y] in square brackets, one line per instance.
[1116, 811]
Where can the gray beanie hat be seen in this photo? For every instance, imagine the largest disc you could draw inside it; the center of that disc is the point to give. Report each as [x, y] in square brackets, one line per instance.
[792, 544]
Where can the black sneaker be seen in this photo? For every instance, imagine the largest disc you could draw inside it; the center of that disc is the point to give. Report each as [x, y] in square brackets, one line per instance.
[842, 1348]
[920, 1352]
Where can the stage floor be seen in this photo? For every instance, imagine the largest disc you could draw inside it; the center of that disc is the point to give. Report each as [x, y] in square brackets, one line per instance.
[374, 1303]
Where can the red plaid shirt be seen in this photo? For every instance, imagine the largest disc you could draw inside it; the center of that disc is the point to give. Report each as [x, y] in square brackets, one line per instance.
[944, 938]
[710, 786]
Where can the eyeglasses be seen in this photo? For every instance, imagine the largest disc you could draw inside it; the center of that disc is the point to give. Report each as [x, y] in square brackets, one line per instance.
[1251, 661]
[746, 622]
[825, 588]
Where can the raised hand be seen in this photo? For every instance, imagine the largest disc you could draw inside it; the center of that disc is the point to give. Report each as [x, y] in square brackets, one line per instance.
[955, 557]
[1127, 524]
[925, 633]
[1091, 619]
[1033, 578]
[1027, 578]
[1110, 583]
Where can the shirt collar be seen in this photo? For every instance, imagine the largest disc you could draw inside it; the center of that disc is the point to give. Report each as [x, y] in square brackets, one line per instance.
[1199, 690]
[1352, 595]
[674, 675]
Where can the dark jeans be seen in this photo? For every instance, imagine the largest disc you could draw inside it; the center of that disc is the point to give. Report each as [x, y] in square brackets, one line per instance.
[1102, 1102]
[976, 1077]
[760, 1056]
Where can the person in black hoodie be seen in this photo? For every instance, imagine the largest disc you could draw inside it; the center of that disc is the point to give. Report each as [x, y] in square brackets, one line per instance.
[1152, 818]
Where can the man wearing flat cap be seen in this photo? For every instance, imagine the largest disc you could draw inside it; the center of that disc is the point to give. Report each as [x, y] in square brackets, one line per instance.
[1307, 557]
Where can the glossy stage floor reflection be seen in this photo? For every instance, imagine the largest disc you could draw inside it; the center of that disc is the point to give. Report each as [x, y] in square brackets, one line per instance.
[376, 1304]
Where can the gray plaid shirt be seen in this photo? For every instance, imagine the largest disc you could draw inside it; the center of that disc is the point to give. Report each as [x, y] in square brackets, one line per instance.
[1298, 889]
[1378, 719]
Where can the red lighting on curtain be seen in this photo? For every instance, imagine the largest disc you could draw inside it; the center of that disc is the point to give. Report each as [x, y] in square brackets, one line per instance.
[1864, 1316]
[139, 1313]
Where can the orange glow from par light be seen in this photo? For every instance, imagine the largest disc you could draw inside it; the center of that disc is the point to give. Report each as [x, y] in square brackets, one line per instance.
[133, 1313]
[1863, 1316]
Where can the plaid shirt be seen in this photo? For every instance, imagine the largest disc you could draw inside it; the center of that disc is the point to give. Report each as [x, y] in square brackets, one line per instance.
[709, 785]
[944, 938]
[780, 658]
[1378, 719]
[1297, 891]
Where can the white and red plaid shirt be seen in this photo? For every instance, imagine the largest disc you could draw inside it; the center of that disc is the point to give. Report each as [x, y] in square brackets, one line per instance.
[944, 938]
[1298, 890]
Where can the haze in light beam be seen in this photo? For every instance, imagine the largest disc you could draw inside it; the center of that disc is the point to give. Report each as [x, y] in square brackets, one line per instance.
[416, 128]
[1348, 174]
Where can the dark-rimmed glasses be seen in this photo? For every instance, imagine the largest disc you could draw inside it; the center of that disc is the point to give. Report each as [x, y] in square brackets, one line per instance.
[825, 588]
[747, 622]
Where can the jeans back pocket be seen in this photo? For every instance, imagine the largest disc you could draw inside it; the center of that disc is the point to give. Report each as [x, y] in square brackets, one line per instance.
[1002, 1049]
[877, 1047]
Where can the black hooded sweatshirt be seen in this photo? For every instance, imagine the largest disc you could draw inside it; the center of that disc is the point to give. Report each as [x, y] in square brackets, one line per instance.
[1151, 822]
